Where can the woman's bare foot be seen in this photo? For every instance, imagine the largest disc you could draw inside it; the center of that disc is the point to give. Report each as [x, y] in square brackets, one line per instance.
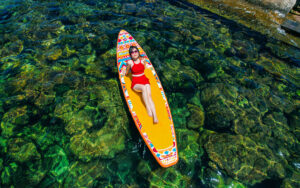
[155, 120]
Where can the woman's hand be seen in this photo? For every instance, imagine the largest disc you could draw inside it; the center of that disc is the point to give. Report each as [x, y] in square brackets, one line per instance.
[123, 71]
[145, 63]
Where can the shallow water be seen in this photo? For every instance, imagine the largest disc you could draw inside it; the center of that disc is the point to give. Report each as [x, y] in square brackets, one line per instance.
[233, 93]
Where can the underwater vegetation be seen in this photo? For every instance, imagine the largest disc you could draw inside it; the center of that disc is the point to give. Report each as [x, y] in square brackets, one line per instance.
[234, 96]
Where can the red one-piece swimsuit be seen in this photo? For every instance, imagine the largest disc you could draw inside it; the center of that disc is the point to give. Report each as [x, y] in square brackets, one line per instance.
[138, 69]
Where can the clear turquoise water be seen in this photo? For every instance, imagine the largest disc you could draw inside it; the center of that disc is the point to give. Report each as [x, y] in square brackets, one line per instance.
[234, 97]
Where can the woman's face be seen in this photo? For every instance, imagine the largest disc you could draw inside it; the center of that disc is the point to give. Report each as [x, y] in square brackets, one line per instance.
[134, 53]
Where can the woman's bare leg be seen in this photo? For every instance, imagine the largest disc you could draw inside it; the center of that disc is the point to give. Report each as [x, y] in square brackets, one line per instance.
[142, 88]
[152, 106]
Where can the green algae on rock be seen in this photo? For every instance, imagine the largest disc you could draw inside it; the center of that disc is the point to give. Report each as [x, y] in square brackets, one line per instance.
[84, 174]
[292, 181]
[99, 144]
[179, 111]
[54, 54]
[60, 97]
[22, 151]
[8, 173]
[144, 168]
[187, 136]
[57, 162]
[105, 135]
[190, 159]
[214, 178]
[239, 155]
[196, 119]
[180, 77]
[168, 178]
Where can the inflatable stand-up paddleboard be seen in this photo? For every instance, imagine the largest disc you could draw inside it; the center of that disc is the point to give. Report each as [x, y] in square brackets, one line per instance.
[160, 138]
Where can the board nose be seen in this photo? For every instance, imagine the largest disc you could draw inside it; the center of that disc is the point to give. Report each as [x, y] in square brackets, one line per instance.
[121, 31]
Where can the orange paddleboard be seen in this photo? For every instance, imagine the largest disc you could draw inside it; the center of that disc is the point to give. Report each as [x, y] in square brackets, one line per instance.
[160, 138]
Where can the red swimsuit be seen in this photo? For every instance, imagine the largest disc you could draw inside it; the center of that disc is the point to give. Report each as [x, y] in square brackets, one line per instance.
[138, 69]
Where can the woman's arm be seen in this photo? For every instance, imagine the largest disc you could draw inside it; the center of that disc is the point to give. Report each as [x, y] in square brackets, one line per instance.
[127, 68]
[145, 63]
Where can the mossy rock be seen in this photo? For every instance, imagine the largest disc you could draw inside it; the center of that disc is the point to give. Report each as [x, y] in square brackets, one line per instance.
[292, 181]
[11, 49]
[196, 118]
[85, 174]
[56, 161]
[7, 129]
[144, 169]
[34, 174]
[180, 77]
[54, 54]
[238, 156]
[17, 116]
[105, 144]
[219, 114]
[9, 173]
[215, 178]
[168, 178]
[22, 151]
[190, 159]
[186, 137]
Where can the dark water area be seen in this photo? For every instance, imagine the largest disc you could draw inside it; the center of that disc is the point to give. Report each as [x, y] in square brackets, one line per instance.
[234, 96]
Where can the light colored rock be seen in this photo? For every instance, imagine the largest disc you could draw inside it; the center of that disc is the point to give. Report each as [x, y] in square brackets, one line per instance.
[282, 5]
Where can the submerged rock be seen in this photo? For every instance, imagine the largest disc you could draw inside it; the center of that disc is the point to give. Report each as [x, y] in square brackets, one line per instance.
[280, 70]
[121, 168]
[196, 118]
[54, 54]
[90, 117]
[178, 108]
[294, 122]
[56, 161]
[11, 49]
[40, 134]
[278, 127]
[215, 178]
[292, 181]
[5, 14]
[85, 174]
[243, 159]
[22, 151]
[129, 8]
[168, 177]
[186, 136]
[190, 159]
[54, 88]
[17, 116]
[104, 143]
[144, 168]
[34, 173]
[282, 5]
[219, 115]
[180, 77]
[9, 173]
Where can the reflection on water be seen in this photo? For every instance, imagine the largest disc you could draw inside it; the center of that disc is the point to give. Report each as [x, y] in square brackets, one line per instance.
[234, 97]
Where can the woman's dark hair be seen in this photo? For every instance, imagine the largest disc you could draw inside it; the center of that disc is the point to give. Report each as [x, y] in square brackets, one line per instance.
[131, 49]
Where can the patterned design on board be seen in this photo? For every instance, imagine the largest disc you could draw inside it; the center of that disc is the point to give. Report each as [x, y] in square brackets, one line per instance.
[167, 155]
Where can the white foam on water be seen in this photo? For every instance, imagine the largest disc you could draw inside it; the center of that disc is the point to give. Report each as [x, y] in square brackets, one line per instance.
[280, 14]
[281, 31]
[297, 165]
[214, 179]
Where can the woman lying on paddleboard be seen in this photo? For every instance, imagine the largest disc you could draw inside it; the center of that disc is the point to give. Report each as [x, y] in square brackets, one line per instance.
[140, 82]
